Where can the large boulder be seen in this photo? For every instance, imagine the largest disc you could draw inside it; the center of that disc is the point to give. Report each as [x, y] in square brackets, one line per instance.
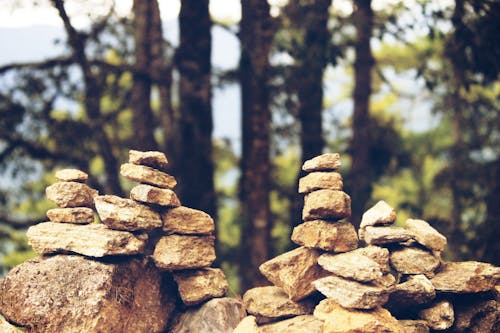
[70, 294]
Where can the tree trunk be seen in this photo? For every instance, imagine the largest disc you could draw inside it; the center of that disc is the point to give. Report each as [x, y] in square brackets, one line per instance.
[256, 34]
[360, 173]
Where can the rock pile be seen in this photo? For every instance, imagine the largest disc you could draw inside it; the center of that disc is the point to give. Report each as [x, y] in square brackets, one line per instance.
[395, 282]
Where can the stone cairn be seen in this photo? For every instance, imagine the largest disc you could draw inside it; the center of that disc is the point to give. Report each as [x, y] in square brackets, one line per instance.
[395, 282]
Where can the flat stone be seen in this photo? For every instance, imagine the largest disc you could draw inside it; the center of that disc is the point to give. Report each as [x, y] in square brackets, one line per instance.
[247, 325]
[196, 286]
[68, 293]
[272, 303]
[320, 181]
[146, 175]
[299, 324]
[352, 294]
[439, 316]
[417, 290]
[153, 159]
[71, 194]
[351, 265]
[411, 260]
[125, 214]
[77, 215]
[324, 235]
[341, 320]
[93, 240]
[154, 195]
[6, 327]
[326, 205]
[325, 162]
[294, 271]
[217, 315]
[178, 252]
[414, 326]
[426, 235]
[187, 221]
[385, 235]
[475, 314]
[466, 277]
[380, 214]
[71, 175]
[378, 254]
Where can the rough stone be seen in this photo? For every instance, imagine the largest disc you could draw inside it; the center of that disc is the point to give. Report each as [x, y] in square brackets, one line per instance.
[416, 290]
[247, 325]
[6, 327]
[299, 324]
[326, 205]
[125, 214]
[385, 235]
[439, 316]
[153, 159]
[378, 254]
[187, 221]
[66, 293]
[410, 260]
[294, 271]
[476, 315]
[414, 326]
[178, 252]
[272, 303]
[93, 240]
[380, 213]
[328, 236]
[466, 277]
[386, 281]
[340, 320]
[147, 175]
[71, 194]
[351, 265]
[352, 294]
[324, 162]
[196, 286]
[426, 235]
[154, 195]
[217, 315]
[78, 215]
[71, 175]
[320, 181]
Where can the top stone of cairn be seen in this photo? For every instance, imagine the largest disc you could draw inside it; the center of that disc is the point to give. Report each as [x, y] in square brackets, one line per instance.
[71, 175]
[325, 162]
[154, 159]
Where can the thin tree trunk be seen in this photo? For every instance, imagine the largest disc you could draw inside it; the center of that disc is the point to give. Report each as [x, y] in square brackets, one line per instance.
[257, 32]
[360, 173]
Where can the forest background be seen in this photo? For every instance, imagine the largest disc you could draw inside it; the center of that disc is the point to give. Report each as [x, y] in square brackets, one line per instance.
[238, 95]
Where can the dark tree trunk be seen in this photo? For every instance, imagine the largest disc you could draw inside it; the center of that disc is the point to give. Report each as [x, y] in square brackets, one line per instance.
[360, 174]
[310, 90]
[256, 34]
[192, 157]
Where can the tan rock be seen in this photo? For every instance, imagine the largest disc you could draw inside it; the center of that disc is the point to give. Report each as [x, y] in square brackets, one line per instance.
[77, 215]
[196, 286]
[351, 265]
[352, 294]
[426, 235]
[320, 181]
[378, 254]
[417, 290]
[414, 326]
[154, 195]
[187, 221]
[6, 327]
[341, 320]
[475, 314]
[325, 162]
[178, 252]
[294, 271]
[386, 281]
[125, 214]
[153, 159]
[410, 260]
[380, 213]
[466, 277]
[299, 324]
[247, 325]
[71, 175]
[272, 303]
[385, 235]
[440, 316]
[334, 237]
[326, 205]
[71, 194]
[93, 240]
[146, 175]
